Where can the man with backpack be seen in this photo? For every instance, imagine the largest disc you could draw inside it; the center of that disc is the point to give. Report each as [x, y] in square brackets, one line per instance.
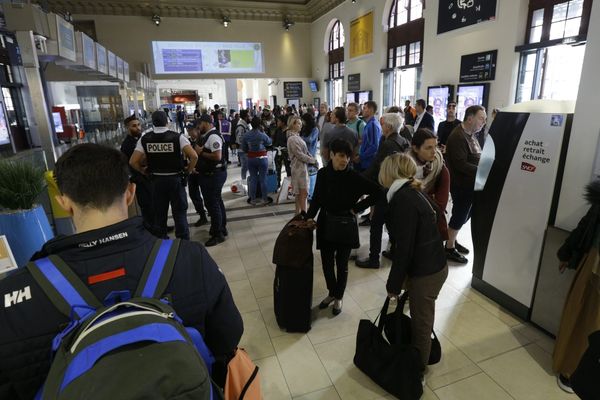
[127, 306]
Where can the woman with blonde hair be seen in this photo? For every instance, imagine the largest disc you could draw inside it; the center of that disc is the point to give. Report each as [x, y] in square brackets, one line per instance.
[299, 160]
[418, 255]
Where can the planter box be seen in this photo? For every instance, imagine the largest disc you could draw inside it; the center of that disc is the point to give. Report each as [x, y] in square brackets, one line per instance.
[26, 231]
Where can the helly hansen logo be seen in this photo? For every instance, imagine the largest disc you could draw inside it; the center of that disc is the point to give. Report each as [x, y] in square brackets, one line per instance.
[160, 148]
[527, 167]
[16, 297]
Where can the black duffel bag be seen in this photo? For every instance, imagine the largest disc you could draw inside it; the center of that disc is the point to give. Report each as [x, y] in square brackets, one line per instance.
[396, 368]
[397, 330]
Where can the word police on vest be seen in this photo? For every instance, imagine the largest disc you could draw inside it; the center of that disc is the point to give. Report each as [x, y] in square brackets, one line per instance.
[16, 297]
[160, 148]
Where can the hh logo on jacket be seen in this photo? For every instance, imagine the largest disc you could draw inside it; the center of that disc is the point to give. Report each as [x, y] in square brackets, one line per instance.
[16, 297]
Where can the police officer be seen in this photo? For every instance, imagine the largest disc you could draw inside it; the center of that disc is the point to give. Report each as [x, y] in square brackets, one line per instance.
[108, 254]
[143, 186]
[213, 174]
[162, 150]
[194, 178]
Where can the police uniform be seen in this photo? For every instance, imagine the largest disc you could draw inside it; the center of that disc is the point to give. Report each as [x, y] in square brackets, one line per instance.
[143, 186]
[163, 149]
[213, 175]
[108, 259]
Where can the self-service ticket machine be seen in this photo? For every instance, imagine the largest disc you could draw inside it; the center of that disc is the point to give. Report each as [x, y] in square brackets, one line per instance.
[517, 189]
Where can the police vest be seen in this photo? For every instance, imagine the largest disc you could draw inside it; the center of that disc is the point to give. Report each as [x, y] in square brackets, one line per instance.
[204, 164]
[163, 152]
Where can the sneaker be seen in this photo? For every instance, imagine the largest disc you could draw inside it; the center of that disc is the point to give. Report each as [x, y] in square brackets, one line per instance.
[365, 222]
[367, 263]
[387, 254]
[269, 200]
[326, 302]
[453, 255]
[202, 221]
[213, 241]
[337, 307]
[564, 383]
[461, 249]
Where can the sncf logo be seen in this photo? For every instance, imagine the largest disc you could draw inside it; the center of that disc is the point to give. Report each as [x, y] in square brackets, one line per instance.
[528, 167]
[16, 297]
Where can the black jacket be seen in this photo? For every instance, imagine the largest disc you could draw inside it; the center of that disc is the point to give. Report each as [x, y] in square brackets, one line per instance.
[427, 122]
[338, 192]
[200, 296]
[388, 146]
[419, 251]
[581, 239]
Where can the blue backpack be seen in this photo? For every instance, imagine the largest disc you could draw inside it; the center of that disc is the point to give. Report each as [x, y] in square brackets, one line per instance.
[126, 347]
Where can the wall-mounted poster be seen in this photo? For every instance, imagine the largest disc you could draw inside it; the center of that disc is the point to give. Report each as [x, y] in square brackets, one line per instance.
[361, 35]
[456, 14]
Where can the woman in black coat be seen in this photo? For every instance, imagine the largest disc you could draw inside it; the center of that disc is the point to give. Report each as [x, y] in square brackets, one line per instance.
[581, 312]
[418, 255]
[337, 194]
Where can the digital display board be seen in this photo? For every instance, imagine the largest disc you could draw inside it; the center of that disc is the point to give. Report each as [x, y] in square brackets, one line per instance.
[101, 58]
[438, 97]
[89, 51]
[470, 95]
[207, 57]
[112, 64]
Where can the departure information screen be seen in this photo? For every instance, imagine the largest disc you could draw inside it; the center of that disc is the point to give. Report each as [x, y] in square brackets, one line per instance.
[207, 57]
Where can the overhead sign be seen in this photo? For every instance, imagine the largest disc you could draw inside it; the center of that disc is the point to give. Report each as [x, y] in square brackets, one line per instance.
[478, 67]
[292, 90]
[456, 14]
[354, 82]
[101, 58]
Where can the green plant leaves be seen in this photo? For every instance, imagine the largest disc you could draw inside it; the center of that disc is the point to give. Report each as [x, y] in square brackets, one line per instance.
[20, 185]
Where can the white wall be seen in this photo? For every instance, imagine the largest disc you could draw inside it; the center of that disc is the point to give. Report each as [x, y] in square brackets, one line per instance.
[583, 146]
[285, 53]
[368, 66]
[442, 53]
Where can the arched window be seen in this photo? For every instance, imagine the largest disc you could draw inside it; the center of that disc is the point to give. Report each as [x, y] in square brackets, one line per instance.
[336, 37]
[404, 11]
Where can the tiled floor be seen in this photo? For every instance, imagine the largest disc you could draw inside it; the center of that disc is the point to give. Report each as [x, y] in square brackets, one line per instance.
[487, 352]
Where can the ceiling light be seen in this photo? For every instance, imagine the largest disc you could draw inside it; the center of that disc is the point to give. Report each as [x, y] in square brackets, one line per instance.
[287, 23]
[156, 19]
[353, 1]
[226, 21]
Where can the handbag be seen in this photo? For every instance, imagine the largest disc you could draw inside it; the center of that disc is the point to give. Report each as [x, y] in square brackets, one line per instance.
[397, 328]
[341, 229]
[396, 368]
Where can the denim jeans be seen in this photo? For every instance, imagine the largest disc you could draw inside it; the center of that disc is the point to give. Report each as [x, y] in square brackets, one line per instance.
[243, 157]
[258, 175]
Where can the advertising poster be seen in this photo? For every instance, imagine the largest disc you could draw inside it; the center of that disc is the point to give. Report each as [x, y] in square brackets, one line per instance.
[469, 96]
[361, 36]
[438, 98]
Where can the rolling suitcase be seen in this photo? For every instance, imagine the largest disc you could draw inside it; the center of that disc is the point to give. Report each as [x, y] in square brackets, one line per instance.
[292, 287]
[292, 293]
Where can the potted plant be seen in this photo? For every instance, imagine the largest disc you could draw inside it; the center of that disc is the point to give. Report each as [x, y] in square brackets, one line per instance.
[22, 221]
